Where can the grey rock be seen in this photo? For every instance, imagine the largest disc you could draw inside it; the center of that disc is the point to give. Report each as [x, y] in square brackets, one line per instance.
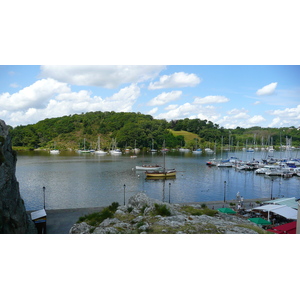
[13, 216]
[108, 222]
[105, 230]
[80, 228]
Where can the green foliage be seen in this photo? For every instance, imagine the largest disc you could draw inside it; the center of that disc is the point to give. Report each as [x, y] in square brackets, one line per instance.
[161, 209]
[113, 207]
[97, 218]
[130, 129]
[198, 212]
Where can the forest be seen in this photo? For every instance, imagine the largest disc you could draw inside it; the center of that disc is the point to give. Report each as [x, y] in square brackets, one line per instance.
[131, 130]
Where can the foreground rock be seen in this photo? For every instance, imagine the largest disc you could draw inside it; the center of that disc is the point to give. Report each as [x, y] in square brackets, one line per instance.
[13, 217]
[141, 215]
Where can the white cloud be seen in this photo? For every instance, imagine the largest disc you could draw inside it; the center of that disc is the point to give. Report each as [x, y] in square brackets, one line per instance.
[267, 89]
[190, 110]
[70, 103]
[171, 106]
[164, 98]
[286, 116]
[153, 111]
[35, 95]
[211, 99]
[103, 76]
[237, 111]
[256, 119]
[256, 103]
[176, 80]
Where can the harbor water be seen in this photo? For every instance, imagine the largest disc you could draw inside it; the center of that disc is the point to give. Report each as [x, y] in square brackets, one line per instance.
[73, 180]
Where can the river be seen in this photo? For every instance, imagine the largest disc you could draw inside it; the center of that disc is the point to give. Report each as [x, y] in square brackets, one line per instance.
[74, 180]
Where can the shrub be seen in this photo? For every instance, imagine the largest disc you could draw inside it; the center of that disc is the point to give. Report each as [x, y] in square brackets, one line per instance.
[96, 218]
[114, 206]
[161, 209]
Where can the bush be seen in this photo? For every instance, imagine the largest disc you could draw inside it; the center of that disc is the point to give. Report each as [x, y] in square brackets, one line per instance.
[114, 206]
[161, 209]
[97, 218]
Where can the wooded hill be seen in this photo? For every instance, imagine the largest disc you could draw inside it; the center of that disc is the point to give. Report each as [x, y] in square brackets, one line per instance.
[138, 130]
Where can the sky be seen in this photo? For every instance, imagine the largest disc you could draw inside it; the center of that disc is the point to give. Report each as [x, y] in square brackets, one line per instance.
[228, 95]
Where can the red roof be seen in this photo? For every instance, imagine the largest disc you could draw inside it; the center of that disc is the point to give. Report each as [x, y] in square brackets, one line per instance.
[288, 228]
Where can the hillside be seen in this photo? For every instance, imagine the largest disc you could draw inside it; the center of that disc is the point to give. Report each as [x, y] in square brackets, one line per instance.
[138, 130]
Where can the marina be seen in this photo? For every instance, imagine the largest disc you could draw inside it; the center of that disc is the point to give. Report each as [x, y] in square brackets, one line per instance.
[73, 180]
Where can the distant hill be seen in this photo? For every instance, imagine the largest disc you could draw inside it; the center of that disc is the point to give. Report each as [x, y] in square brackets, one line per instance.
[131, 130]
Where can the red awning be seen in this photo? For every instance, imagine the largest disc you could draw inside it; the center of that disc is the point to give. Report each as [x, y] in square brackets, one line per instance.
[288, 228]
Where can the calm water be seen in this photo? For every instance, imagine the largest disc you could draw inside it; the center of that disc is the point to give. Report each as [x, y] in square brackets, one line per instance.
[87, 180]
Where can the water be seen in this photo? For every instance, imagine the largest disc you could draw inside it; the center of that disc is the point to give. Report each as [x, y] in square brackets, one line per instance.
[74, 180]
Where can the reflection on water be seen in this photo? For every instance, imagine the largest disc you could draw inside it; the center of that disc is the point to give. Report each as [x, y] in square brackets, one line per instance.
[88, 180]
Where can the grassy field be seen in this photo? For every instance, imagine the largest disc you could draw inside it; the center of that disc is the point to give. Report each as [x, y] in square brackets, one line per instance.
[188, 136]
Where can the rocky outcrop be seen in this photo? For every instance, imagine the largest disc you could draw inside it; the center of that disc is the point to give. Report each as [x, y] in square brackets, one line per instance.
[13, 217]
[141, 215]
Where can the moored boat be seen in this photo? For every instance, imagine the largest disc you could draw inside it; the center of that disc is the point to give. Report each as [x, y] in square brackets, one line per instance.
[149, 167]
[161, 174]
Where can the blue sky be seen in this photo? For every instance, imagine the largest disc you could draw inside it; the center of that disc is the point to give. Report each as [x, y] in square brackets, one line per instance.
[231, 96]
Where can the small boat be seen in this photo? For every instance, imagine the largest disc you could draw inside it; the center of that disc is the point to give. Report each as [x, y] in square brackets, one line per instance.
[115, 152]
[212, 162]
[149, 167]
[161, 174]
[197, 151]
[54, 151]
[164, 173]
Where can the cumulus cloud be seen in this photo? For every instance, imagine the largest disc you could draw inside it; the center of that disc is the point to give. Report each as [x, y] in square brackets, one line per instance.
[176, 80]
[35, 95]
[190, 110]
[171, 106]
[164, 98]
[69, 102]
[237, 111]
[102, 76]
[286, 116]
[153, 111]
[211, 99]
[267, 89]
[256, 119]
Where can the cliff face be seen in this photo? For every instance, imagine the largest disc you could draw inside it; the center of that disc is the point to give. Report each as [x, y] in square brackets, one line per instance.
[13, 217]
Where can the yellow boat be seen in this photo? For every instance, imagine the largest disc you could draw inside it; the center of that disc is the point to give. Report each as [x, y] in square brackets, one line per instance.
[161, 174]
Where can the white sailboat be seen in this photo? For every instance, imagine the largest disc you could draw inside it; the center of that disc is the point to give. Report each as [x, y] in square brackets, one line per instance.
[99, 150]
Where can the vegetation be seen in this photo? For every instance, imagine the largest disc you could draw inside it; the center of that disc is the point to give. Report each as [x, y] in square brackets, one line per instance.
[161, 209]
[138, 130]
[95, 219]
[197, 211]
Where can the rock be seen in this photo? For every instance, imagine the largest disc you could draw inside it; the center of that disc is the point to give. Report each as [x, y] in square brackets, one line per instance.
[105, 230]
[13, 216]
[141, 200]
[108, 222]
[80, 228]
[140, 220]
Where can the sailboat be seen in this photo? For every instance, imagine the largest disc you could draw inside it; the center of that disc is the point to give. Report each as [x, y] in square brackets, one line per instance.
[99, 150]
[114, 150]
[152, 149]
[84, 150]
[54, 151]
[164, 173]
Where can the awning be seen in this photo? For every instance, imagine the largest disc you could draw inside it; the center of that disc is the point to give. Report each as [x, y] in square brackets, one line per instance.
[291, 202]
[289, 228]
[38, 214]
[282, 210]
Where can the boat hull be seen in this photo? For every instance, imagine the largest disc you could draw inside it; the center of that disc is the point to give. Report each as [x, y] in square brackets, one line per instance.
[161, 174]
